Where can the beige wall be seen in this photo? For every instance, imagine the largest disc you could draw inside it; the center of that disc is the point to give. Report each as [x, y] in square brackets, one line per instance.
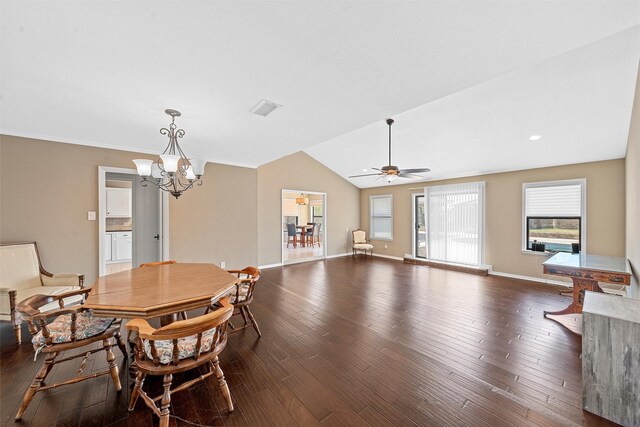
[301, 172]
[632, 162]
[605, 213]
[218, 221]
[46, 189]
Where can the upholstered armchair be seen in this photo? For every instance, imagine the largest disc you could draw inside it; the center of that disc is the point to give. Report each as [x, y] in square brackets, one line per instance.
[361, 243]
[22, 276]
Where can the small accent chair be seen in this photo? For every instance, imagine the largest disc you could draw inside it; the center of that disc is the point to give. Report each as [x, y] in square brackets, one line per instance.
[22, 276]
[243, 297]
[292, 235]
[71, 328]
[179, 347]
[361, 243]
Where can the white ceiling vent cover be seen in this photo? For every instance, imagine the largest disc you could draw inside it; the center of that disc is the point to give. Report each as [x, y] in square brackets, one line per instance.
[264, 108]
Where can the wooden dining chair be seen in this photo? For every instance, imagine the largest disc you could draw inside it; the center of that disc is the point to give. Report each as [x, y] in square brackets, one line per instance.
[72, 327]
[179, 347]
[152, 264]
[242, 296]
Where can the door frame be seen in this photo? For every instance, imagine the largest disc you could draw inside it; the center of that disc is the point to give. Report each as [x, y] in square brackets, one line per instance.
[163, 210]
[324, 221]
[414, 209]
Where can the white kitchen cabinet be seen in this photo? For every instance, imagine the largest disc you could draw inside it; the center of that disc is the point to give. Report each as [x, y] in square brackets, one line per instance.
[122, 246]
[107, 245]
[118, 202]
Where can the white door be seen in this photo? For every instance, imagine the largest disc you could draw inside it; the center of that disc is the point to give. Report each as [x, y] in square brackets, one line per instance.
[147, 224]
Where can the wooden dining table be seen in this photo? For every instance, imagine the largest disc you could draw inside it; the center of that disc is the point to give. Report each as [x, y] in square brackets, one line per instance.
[303, 232]
[159, 291]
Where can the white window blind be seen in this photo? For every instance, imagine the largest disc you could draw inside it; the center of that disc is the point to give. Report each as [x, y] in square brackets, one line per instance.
[455, 222]
[381, 220]
[289, 207]
[554, 200]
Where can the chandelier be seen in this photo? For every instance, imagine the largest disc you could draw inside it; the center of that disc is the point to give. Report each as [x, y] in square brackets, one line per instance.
[302, 200]
[173, 172]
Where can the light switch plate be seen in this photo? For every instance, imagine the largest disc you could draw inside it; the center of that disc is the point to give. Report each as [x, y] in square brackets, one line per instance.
[222, 264]
[91, 216]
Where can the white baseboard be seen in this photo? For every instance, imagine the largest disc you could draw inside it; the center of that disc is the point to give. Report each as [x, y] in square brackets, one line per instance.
[262, 267]
[531, 279]
[397, 258]
[337, 255]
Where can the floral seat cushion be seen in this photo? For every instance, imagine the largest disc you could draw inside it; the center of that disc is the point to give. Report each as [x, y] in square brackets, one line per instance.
[186, 347]
[242, 294]
[60, 329]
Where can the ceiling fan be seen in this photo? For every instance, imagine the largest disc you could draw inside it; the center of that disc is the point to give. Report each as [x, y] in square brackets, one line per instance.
[390, 173]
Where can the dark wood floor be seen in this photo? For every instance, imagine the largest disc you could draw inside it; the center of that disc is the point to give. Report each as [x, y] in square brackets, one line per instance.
[355, 343]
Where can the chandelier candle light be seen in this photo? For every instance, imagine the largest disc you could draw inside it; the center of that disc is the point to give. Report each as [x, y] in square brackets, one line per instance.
[173, 172]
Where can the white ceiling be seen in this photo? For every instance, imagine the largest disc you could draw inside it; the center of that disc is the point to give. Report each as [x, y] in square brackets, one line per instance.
[466, 81]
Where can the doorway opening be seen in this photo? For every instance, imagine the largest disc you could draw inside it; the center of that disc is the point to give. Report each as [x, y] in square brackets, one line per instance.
[133, 221]
[304, 226]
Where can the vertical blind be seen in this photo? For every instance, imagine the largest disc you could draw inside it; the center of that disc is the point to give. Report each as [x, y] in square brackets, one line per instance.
[381, 217]
[455, 222]
[553, 201]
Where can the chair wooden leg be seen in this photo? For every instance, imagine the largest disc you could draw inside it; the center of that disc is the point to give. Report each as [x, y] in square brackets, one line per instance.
[36, 383]
[253, 320]
[136, 390]
[244, 316]
[215, 365]
[166, 401]
[17, 330]
[113, 366]
[121, 344]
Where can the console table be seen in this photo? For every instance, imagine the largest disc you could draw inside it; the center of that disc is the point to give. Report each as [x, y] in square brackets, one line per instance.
[586, 271]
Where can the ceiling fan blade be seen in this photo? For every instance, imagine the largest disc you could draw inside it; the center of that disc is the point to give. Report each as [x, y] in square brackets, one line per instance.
[380, 177]
[376, 169]
[366, 174]
[410, 176]
[419, 170]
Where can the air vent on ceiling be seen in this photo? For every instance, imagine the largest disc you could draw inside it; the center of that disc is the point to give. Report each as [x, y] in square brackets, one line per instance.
[264, 108]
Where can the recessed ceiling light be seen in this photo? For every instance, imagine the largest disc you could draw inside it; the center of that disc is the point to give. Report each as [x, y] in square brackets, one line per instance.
[534, 137]
[364, 170]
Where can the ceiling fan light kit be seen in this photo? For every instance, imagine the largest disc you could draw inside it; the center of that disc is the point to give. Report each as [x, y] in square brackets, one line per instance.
[390, 172]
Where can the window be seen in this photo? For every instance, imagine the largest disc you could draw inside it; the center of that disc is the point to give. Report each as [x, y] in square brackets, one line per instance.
[316, 213]
[455, 223]
[381, 217]
[554, 215]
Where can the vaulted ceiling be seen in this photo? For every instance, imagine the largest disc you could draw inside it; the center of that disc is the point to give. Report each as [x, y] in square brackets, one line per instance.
[467, 81]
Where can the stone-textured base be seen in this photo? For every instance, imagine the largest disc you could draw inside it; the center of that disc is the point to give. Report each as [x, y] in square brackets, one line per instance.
[611, 358]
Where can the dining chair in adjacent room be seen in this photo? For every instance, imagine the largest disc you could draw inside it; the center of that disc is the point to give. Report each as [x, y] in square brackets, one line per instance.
[242, 296]
[292, 235]
[67, 328]
[314, 237]
[178, 347]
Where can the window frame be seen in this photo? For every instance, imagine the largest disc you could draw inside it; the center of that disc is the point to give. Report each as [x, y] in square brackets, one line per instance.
[371, 216]
[582, 233]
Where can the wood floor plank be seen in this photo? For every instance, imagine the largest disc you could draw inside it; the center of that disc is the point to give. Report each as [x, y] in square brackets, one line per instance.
[351, 342]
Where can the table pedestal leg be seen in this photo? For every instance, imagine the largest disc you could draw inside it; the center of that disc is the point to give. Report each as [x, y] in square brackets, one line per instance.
[580, 285]
[168, 319]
